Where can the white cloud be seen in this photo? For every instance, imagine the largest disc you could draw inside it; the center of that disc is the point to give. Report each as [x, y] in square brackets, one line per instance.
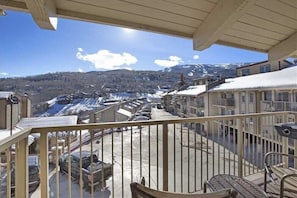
[80, 70]
[104, 59]
[172, 61]
[196, 57]
[80, 49]
[3, 74]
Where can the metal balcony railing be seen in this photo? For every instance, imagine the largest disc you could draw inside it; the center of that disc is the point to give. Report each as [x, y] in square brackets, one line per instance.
[175, 155]
[271, 106]
[225, 102]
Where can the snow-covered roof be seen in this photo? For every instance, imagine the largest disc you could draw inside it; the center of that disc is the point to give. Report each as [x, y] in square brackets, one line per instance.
[47, 121]
[285, 78]
[5, 94]
[193, 90]
[124, 112]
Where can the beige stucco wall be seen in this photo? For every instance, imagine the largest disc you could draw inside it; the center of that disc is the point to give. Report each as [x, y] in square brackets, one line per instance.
[3, 114]
[255, 68]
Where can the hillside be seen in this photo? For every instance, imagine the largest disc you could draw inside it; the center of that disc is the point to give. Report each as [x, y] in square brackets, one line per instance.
[100, 83]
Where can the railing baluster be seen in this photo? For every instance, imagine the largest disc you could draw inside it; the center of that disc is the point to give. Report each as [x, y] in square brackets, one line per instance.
[201, 157]
[122, 152]
[140, 150]
[240, 147]
[131, 130]
[44, 182]
[112, 157]
[8, 172]
[188, 158]
[57, 167]
[181, 156]
[174, 158]
[157, 157]
[21, 169]
[165, 157]
[149, 154]
[195, 158]
[80, 166]
[207, 160]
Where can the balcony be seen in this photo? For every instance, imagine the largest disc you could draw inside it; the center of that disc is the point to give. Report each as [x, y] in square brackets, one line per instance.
[228, 102]
[169, 154]
[270, 106]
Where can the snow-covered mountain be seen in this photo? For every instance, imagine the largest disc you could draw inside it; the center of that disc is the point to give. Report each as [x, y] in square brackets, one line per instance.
[201, 70]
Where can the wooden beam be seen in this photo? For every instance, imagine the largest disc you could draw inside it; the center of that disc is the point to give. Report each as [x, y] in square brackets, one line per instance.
[43, 12]
[286, 48]
[223, 16]
[21, 176]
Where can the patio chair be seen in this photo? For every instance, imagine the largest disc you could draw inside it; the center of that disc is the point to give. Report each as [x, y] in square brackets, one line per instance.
[281, 173]
[141, 191]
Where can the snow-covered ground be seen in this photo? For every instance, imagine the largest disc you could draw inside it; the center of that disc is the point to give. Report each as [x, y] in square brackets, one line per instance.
[73, 108]
[60, 106]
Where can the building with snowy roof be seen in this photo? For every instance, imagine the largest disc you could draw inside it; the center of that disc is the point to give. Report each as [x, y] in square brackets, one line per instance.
[264, 92]
[191, 101]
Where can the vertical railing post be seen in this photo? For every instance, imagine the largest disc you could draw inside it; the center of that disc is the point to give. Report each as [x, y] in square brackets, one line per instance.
[44, 165]
[285, 143]
[21, 169]
[165, 157]
[239, 147]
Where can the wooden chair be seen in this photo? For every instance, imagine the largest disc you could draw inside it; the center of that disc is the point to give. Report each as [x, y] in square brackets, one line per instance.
[280, 174]
[141, 191]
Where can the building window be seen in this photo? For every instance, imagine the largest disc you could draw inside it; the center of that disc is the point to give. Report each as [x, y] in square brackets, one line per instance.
[243, 97]
[251, 98]
[267, 95]
[245, 72]
[283, 96]
[265, 68]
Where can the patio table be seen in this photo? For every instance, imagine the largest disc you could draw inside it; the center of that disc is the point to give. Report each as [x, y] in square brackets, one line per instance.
[244, 187]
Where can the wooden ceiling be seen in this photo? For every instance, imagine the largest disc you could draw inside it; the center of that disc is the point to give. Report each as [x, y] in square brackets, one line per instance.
[268, 26]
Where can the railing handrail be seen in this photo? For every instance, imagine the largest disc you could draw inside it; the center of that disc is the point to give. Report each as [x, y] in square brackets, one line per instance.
[15, 138]
[149, 122]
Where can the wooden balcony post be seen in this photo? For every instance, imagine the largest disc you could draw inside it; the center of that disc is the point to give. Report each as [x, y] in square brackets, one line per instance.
[44, 185]
[21, 169]
[240, 147]
[165, 157]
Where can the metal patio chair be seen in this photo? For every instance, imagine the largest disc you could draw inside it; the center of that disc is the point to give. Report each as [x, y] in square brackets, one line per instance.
[281, 173]
[140, 191]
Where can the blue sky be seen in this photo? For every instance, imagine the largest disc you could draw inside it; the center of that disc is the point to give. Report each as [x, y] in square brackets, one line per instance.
[27, 50]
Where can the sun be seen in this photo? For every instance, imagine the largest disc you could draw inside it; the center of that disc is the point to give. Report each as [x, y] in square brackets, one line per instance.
[128, 30]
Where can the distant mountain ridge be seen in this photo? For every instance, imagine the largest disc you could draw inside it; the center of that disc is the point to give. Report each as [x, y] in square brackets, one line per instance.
[44, 87]
[201, 70]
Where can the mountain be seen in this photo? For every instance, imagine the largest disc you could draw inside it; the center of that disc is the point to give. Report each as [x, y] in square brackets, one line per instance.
[95, 84]
[201, 70]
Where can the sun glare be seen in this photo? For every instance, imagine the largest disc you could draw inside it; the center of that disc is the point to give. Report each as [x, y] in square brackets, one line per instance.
[128, 30]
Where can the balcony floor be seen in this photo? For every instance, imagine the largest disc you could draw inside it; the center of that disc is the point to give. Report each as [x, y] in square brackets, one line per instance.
[272, 189]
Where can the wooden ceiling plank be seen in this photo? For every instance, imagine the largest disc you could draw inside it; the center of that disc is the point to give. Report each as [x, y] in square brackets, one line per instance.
[258, 31]
[172, 8]
[285, 49]
[165, 27]
[14, 5]
[115, 8]
[279, 7]
[244, 43]
[292, 3]
[264, 24]
[251, 36]
[196, 4]
[223, 16]
[273, 16]
[43, 12]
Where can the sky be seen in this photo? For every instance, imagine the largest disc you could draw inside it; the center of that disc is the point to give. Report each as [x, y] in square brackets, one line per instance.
[26, 49]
